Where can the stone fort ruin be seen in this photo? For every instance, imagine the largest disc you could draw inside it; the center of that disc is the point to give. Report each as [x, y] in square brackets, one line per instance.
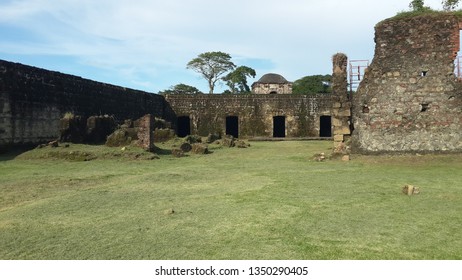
[409, 100]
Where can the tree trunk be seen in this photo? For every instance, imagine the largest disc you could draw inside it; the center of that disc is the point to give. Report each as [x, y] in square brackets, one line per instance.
[211, 86]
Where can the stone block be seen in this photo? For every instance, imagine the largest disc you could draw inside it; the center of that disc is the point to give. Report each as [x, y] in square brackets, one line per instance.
[344, 112]
[336, 121]
[338, 138]
[342, 130]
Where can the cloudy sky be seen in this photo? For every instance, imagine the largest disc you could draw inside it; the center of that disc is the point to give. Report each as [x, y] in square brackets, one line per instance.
[146, 44]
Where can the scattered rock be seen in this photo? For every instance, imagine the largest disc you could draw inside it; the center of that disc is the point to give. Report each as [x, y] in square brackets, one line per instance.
[410, 190]
[212, 137]
[242, 144]
[199, 148]
[177, 152]
[228, 141]
[346, 158]
[191, 139]
[186, 147]
[169, 211]
[53, 144]
[320, 157]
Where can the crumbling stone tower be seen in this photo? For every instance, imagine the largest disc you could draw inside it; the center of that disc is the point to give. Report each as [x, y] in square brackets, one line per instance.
[410, 99]
[341, 105]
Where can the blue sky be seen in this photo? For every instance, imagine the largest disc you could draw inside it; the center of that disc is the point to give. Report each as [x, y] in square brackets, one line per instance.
[146, 44]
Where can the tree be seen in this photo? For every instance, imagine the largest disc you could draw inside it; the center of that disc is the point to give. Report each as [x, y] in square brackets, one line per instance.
[449, 5]
[417, 5]
[237, 79]
[181, 89]
[312, 85]
[212, 66]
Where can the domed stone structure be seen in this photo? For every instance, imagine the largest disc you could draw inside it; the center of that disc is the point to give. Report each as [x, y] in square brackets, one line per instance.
[272, 84]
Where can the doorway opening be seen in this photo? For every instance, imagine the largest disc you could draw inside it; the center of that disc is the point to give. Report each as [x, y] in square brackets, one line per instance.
[279, 126]
[232, 126]
[325, 126]
[183, 126]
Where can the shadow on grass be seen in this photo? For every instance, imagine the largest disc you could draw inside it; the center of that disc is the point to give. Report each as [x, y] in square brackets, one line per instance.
[162, 152]
[12, 153]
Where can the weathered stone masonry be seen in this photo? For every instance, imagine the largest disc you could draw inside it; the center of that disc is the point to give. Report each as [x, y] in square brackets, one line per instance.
[410, 100]
[255, 113]
[32, 101]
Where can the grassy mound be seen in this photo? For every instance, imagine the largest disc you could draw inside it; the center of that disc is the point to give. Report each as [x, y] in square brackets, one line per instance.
[81, 152]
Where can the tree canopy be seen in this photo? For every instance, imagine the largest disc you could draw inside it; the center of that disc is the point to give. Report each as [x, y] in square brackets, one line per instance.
[419, 6]
[312, 85]
[237, 79]
[181, 89]
[212, 66]
[449, 5]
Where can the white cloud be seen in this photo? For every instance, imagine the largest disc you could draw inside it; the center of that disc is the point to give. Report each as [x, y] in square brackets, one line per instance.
[153, 39]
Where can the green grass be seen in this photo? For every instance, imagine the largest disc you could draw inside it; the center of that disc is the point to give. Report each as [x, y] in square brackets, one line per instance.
[269, 201]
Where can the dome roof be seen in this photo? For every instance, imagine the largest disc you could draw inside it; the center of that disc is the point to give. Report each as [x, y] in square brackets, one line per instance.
[272, 78]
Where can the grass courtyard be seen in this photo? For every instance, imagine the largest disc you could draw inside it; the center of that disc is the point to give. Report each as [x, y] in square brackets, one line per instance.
[269, 201]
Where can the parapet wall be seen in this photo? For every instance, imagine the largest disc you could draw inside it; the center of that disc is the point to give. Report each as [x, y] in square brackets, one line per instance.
[254, 113]
[32, 100]
[410, 99]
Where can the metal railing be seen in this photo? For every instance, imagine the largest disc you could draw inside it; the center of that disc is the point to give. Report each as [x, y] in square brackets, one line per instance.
[458, 67]
[356, 69]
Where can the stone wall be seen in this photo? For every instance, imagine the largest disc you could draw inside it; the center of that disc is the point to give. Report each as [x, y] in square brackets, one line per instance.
[410, 99]
[32, 100]
[254, 113]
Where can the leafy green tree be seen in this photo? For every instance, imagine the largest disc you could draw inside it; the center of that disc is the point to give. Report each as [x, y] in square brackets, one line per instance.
[417, 5]
[312, 85]
[449, 5]
[212, 66]
[181, 89]
[237, 79]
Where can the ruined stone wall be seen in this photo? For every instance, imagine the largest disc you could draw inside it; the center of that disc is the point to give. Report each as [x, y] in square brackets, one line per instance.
[409, 99]
[255, 113]
[341, 107]
[32, 100]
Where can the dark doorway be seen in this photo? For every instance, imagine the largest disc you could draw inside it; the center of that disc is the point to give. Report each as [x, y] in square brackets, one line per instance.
[183, 126]
[279, 126]
[232, 126]
[325, 126]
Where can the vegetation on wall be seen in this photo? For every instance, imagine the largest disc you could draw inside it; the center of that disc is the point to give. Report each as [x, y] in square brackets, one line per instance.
[313, 85]
[181, 89]
[418, 8]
